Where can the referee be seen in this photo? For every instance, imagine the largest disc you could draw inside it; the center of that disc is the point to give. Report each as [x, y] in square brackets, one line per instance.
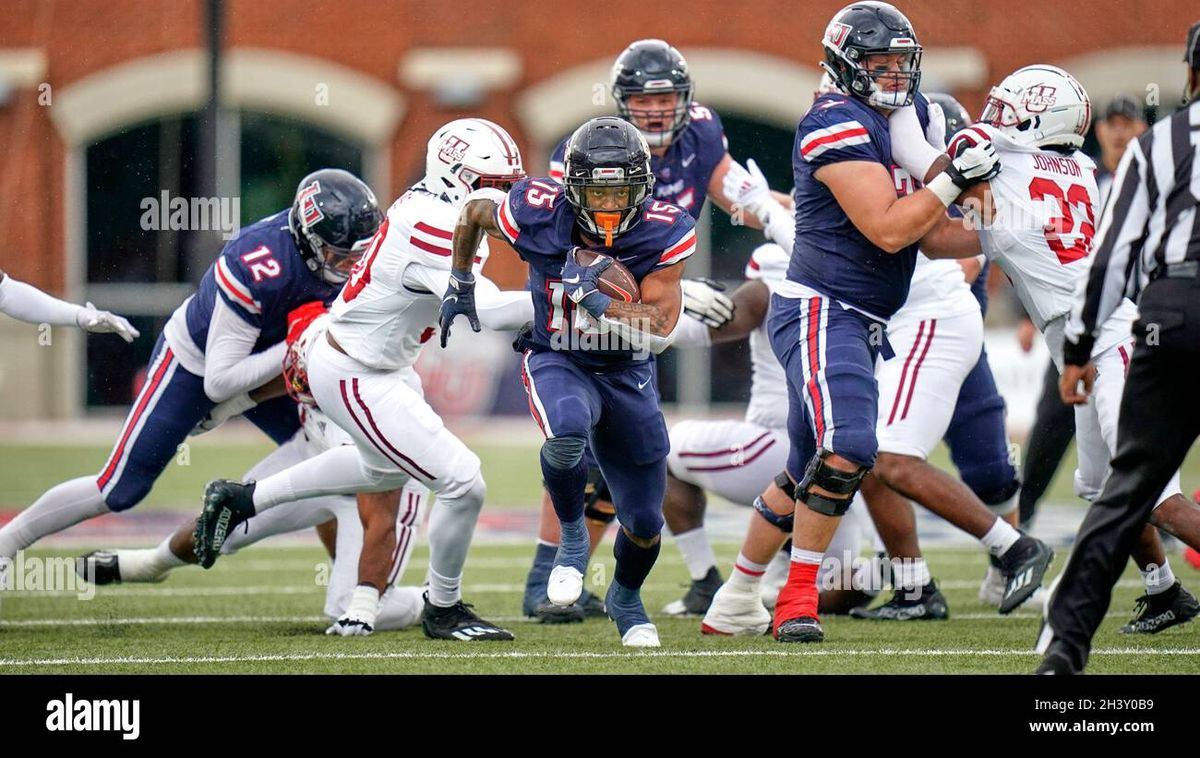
[1148, 244]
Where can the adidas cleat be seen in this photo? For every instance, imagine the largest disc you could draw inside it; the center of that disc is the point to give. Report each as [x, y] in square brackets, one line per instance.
[99, 567]
[698, 598]
[801, 629]
[227, 505]
[1154, 613]
[459, 622]
[928, 605]
[1024, 567]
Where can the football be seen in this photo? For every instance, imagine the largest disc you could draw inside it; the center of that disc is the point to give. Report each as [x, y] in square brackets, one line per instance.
[617, 281]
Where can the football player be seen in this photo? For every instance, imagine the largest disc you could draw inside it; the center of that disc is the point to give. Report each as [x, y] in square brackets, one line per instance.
[858, 222]
[224, 341]
[589, 363]
[361, 376]
[336, 517]
[1037, 220]
[27, 303]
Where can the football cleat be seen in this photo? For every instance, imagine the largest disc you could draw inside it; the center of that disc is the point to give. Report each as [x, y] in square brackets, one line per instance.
[800, 629]
[928, 605]
[227, 505]
[699, 596]
[565, 585]
[588, 606]
[459, 622]
[642, 635]
[736, 611]
[1154, 613]
[1024, 566]
[99, 567]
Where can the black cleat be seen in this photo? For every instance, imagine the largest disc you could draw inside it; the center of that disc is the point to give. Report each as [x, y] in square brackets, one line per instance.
[1055, 665]
[1024, 566]
[588, 606]
[99, 567]
[698, 598]
[1153, 613]
[227, 505]
[802, 629]
[929, 604]
[459, 622]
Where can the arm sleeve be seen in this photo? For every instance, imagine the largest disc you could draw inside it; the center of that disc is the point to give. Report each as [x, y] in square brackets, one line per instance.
[229, 367]
[691, 332]
[639, 339]
[27, 303]
[1113, 268]
[910, 146]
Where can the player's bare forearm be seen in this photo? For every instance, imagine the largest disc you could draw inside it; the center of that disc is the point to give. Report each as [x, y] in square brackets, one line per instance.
[866, 192]
[269, 391]
[751, 301]
[662, 302]
[952, 238]
[477, 217]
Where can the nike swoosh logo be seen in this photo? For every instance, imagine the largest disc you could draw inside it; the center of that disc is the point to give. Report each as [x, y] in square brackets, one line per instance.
[627, 258]
[451, 299]
[572, 280]
[643, 384]
[688, 160]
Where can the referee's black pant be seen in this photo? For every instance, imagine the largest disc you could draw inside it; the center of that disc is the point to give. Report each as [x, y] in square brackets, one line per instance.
[1160, 419]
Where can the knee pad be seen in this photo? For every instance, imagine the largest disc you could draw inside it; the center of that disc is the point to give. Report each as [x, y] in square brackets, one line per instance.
[782, 523]
[563, 452]
[600, 511]
[820, 474]
[785, 483]
[645, 526]
[1002, 501]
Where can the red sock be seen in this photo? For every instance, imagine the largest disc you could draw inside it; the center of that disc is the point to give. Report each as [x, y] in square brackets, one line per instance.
[799, 596]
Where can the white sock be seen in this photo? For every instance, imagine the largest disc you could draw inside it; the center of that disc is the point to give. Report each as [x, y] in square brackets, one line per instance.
[444, 591]
[1158, 578]
[747, 574]
[696, 552]
[338, 471]
[148, 565]
[807, 556]
[911, 573]
[61, 506]
[1000, 537]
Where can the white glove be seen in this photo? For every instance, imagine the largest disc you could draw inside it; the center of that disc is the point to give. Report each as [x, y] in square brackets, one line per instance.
[101, 322]
[703, 301]
[222, 412]
[976, 161]
[359, 618]
[746, 187]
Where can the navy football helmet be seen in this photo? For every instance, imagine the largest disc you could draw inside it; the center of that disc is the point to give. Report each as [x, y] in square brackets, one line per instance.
[956, 115]
[652, 67]
[606, 172]
[861, 31]
[333, 219]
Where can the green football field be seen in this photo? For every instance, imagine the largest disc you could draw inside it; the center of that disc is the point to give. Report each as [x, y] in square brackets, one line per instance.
[260, 611]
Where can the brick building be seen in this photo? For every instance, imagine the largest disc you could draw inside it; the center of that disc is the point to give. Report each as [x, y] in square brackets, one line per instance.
[99, 104]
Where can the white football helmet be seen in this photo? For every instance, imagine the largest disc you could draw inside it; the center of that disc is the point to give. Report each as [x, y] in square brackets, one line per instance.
[1040, 106]
[470, 154]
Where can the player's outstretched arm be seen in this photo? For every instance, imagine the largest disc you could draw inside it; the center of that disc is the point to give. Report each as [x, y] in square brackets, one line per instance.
[477, 217]
[26, 303]
[751, 301]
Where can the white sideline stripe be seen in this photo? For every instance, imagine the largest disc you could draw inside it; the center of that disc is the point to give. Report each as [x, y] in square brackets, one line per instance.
[196, 620]
[568, 654]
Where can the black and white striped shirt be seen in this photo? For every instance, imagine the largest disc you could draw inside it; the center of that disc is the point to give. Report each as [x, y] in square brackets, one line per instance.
[1151, 224]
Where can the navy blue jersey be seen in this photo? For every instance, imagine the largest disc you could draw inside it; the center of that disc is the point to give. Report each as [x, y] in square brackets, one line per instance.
[262, 278]
[540, 224]
[682, 174]
[830, 254]
[979, 288]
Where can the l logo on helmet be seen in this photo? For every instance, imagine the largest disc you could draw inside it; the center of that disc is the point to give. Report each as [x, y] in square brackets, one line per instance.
[836, 33]
[452, 150]
[1038, 98]
[310, 212]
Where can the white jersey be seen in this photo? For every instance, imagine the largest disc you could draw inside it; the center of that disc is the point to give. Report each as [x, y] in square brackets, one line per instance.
[938, 289]
[389, 306]
[768, 385]
[1046, 210]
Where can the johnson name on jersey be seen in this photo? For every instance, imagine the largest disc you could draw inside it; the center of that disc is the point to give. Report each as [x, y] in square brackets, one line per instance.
[830, 254]
[541, 226]
[261, 277]
[682, 174]
[389, 307]
[1046, 204]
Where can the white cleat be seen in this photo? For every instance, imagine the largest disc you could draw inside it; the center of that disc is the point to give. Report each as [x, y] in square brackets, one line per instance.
[991, 591]
[641, 635]
[675, 608]
[735, 611]
[565, 585]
